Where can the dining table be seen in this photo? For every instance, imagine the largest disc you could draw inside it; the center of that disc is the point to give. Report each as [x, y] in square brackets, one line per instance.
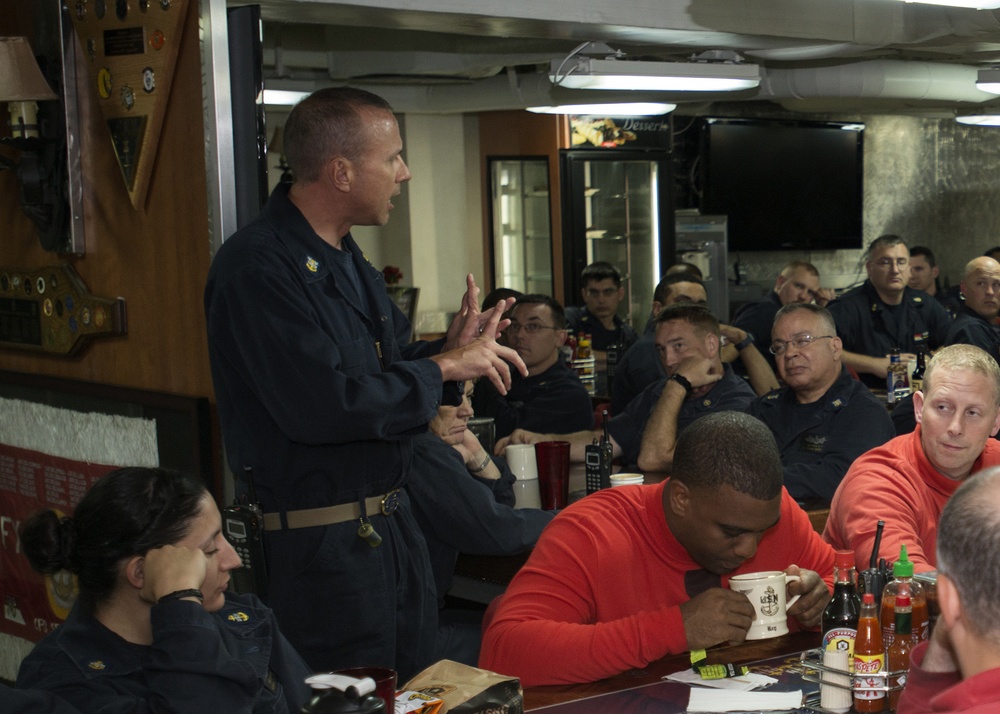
[645, 690]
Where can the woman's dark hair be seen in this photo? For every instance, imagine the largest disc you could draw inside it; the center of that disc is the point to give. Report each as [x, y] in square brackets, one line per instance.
[127, 512]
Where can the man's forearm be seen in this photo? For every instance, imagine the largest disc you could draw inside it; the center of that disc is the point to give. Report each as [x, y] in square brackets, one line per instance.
[863, 363]
[660, 437]
[761, 375]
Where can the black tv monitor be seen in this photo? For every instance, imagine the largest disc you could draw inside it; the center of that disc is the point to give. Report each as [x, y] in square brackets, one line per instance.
[785, 185]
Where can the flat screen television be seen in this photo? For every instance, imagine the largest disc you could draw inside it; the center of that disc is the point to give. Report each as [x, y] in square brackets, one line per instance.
[784, 185]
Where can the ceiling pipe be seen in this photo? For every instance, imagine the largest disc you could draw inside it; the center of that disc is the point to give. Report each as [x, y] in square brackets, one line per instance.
[876, 79]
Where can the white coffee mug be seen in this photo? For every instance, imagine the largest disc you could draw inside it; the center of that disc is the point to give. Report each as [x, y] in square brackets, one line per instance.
[521, 460]
[625, 479]
[766, 592]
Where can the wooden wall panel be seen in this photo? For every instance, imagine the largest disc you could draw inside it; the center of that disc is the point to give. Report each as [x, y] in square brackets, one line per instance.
[157, 259]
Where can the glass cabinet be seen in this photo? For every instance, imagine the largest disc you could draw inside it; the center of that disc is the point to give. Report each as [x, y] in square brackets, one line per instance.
[521, 224]
[616, 214]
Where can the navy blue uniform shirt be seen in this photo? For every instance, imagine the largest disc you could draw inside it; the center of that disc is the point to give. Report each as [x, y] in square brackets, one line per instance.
[234, 660]
[554, 401]
[971, 328]
[868, 326]
[638, 368]
[580, 320]
[730, 393]
[757, 318]
[819, 441]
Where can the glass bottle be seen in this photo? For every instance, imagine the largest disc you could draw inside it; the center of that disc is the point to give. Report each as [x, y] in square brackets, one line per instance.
[917, 378]
[896, 380]
[840, 618]
[869, 660]
[569, 348]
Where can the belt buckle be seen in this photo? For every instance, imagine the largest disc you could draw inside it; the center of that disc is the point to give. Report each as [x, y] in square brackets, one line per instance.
[390, 502]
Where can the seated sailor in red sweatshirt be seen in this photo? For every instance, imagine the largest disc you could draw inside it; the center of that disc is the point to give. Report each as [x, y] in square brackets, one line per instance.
[632, 574]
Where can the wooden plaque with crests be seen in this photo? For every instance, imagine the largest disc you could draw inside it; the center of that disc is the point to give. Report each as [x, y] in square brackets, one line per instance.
[130, 48]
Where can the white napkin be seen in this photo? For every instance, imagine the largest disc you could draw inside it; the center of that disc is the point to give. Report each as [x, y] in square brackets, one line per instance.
[743, 683]
[715, 700]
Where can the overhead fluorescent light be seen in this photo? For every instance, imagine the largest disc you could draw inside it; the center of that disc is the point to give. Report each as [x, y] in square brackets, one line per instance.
[988, 80]
[979, 119]
[283, 98]
[588, 73]
[620, 109]
[973, 4]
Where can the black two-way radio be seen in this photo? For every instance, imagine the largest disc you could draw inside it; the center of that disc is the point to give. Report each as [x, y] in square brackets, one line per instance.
[597, 460]
[243, 527]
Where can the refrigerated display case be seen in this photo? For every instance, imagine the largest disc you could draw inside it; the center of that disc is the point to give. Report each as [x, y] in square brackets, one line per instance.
[522, 226]
[617, 209]
[701, 241]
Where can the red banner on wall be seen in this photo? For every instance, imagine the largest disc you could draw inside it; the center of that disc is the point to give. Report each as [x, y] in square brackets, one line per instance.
[31, 481]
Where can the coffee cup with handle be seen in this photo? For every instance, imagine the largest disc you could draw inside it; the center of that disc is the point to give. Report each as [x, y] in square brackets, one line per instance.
[767, 593]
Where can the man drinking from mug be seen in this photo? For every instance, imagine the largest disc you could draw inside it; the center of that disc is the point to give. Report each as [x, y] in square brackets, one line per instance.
[629, 575]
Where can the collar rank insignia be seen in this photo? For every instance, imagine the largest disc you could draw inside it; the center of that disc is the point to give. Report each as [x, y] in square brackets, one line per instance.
[97, 665]
[238, 617]
[838, 402]
[312, 265]
[917, 298]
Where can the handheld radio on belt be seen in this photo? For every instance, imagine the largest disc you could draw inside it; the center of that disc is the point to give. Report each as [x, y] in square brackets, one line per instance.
[243, 527]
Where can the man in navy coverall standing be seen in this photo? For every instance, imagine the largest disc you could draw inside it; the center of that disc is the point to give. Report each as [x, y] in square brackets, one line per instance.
[320, 393]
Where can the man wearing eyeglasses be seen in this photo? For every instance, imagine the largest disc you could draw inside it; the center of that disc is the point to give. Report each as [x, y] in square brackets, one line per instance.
[797, 282]
[551, 398]
[885, 313]
[602, 293]
[822, 419]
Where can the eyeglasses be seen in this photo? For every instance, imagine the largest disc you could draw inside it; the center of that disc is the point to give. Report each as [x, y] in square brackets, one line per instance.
[801, 342]
[532, 328]
[889, 262]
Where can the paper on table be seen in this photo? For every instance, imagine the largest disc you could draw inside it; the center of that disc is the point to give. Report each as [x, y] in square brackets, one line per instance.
[715, 700]
[743, 683]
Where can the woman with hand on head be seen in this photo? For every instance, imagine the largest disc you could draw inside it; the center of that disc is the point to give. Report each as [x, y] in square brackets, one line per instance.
[153, 629]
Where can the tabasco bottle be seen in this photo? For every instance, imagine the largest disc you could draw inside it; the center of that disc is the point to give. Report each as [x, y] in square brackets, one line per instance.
[869, 660]
[898, 654]
[840, 618]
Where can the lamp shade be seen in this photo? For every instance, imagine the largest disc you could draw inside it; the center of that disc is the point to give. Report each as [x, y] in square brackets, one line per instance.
[20, 78]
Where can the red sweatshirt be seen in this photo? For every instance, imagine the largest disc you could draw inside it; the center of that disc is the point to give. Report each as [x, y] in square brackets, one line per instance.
[897, 484]
[946, 692]
[602, 590]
